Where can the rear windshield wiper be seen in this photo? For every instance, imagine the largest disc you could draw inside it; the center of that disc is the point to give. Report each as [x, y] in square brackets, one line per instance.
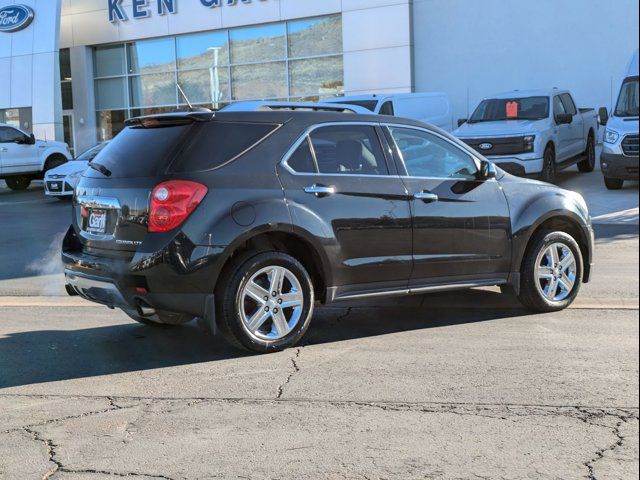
[100, 168]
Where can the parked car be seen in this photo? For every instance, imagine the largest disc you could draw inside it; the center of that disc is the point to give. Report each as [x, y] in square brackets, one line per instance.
[61, 181]
[533, 132]
[619, 159]
[246, 219]
[428, 107]
[23, 158]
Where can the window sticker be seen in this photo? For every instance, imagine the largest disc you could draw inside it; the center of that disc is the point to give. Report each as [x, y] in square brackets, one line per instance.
[512, 109]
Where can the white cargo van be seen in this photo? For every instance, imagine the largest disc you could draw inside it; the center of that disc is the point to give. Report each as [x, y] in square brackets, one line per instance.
[431, 107]
[619, 158]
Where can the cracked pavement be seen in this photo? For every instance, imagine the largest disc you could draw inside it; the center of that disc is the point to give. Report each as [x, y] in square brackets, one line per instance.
[465, 385]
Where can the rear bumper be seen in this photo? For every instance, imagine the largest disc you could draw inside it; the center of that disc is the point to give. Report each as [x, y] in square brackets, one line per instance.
[122, 282]
[619, 166]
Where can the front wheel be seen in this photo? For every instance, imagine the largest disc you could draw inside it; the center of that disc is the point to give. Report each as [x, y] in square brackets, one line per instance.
[265, 302]
[613, 183]
[549, 166]
[551, 273]
[18, 183]
[589, 163]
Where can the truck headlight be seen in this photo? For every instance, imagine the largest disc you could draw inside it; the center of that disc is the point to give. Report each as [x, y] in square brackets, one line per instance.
[529, 143]
[610, 136]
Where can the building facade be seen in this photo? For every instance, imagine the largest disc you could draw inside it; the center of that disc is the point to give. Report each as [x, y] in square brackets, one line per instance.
[83, 66]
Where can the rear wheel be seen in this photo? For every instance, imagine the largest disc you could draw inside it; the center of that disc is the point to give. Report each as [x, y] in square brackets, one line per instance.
[613, 183]
[18, 183]
[265, 302]
[549, 166]
[551, 273]
[588, 164]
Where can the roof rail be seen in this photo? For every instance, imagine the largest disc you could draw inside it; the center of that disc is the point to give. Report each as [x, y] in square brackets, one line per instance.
[251, 106]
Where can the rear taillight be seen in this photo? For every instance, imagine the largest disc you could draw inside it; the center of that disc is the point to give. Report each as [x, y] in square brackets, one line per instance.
[172, 202]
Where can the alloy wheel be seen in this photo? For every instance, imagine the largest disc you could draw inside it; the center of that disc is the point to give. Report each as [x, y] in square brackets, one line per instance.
[556, 270]
[271, 303]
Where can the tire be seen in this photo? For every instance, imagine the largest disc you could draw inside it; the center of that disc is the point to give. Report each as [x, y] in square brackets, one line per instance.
[537, 293]
[549, 166]
[613, 183]
[19, 183]
[54, 162]
[162, 319]
[236, 306]
[589, 163]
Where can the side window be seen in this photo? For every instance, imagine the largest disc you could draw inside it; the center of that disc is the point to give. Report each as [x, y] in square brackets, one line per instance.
[426, 155]
[348, 149]
[387, 109]
[301, 161]
[10, 135]
[558, 107]
[569, 105]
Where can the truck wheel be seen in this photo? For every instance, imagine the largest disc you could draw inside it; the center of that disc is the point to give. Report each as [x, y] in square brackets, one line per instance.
[588, 164]
[18, 183]
[264, 302]
[613, 183]
[549, 166]
[551, 273]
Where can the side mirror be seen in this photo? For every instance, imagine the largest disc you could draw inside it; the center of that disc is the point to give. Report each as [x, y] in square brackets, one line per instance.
[488, 170]
[603, 116]
[462, 121]
[32, 139]
[564, 118]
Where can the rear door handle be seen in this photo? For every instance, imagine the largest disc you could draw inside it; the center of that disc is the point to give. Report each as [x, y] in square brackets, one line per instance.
[426, 197]
[3, 149]
[320, 190]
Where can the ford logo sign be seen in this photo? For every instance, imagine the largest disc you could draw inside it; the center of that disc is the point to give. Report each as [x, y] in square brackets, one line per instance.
[486, 146]
[15, 17]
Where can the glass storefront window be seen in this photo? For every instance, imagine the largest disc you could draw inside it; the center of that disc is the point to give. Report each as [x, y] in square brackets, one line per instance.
[203, 50]
[151, 56]
[110, 94]
[109, 61]
[258, 44]
[318, 36]
[154, 89]
[206, 86]
[65, 64]
[67, 96]
[259, 81]
[322, 76]
[110, 123]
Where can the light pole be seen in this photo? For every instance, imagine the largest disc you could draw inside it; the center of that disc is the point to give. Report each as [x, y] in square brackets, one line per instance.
[214, 78]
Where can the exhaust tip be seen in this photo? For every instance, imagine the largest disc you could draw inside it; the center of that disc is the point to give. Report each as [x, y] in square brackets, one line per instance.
[72, 292]
[145, 310]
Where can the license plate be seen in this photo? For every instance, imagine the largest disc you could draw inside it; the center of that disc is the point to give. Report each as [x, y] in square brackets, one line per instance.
[97, 221]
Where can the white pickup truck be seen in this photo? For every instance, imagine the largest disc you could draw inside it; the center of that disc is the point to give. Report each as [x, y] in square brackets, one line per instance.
[23, 158]
[533, 132]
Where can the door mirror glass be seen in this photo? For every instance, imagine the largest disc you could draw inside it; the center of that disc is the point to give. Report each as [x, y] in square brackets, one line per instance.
[488, 170]
[603, 116]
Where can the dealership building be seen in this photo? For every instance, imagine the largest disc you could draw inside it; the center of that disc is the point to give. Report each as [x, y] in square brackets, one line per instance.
[77, 69]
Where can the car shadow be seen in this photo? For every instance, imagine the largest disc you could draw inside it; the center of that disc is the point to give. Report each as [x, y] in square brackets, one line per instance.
[43, 356]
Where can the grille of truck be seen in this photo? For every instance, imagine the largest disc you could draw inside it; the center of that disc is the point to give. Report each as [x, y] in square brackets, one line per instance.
[499, 146]
[630, 145]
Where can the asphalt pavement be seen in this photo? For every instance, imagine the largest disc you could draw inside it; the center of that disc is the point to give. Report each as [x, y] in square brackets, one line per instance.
[458, 385]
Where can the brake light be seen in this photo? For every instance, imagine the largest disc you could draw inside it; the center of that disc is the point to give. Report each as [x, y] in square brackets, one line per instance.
[172, 202]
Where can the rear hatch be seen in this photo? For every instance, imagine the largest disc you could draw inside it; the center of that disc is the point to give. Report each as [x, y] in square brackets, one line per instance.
[112, 203]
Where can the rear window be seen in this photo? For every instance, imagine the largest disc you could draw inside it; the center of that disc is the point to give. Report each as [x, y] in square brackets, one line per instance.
[148, 152]
[214, 144]
[139, 152]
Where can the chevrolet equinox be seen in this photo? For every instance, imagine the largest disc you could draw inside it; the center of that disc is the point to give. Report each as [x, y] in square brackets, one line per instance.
[248, 219]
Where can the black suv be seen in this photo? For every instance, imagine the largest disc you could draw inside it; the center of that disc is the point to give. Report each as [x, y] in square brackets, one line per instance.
[247, 219]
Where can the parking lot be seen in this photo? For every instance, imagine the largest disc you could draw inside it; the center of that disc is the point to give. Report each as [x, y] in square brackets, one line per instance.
[456, 385]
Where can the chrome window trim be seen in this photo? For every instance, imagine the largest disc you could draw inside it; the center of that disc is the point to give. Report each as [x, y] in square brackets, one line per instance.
[306, 135]
[463, 148]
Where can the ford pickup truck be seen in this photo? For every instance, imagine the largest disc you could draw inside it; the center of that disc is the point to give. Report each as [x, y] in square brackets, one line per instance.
[23, 158]
[535, 132]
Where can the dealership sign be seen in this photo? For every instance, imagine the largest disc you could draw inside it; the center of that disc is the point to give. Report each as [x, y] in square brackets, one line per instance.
[15, 17]
[142, 9]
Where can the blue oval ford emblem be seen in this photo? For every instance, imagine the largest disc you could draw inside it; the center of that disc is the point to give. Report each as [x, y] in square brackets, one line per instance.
[486, 146]
[15, 17]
